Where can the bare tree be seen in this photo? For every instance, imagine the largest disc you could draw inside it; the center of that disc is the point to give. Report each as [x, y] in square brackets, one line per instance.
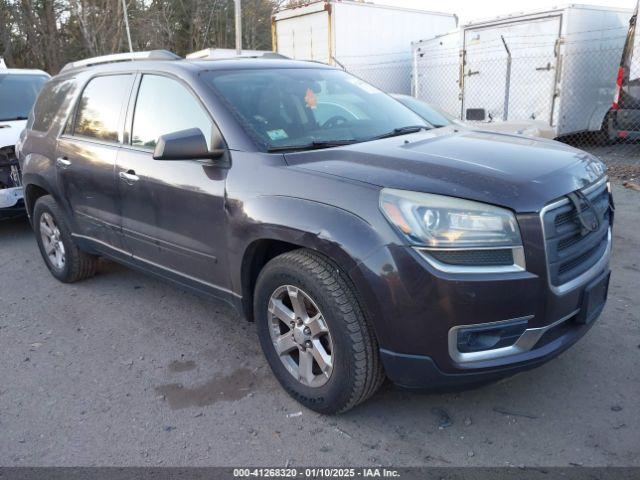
[48, 33]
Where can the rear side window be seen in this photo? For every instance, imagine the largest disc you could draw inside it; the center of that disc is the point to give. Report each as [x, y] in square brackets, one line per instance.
[49, 102]
[165, 106]
[100, 106]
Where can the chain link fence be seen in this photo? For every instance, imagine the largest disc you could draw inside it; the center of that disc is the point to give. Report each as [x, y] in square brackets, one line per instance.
[542, 84]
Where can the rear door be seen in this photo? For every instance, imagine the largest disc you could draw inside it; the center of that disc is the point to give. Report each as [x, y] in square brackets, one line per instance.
[172, 211]
[510, 69]
[86, 158]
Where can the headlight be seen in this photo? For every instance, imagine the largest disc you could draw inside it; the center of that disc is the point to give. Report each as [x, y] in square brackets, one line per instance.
[440, 222]
[455, 235]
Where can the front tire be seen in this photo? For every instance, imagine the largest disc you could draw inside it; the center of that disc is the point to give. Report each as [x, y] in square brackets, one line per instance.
[65, 260]
[314, 333]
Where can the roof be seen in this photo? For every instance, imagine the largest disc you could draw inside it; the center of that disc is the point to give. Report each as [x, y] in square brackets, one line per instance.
[120, 58]
[542, 11]
[250, 63]
[227, 53]
[198, 65]
[165, 60]
[319, 5]
[23, 71]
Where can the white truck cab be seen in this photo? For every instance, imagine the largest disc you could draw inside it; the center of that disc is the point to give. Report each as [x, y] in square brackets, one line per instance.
[19, 89]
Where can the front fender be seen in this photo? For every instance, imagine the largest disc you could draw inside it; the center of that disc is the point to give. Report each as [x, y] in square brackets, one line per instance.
[342, 236]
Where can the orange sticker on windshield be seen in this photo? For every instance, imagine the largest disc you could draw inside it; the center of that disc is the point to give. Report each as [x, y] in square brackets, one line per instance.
[310, 99]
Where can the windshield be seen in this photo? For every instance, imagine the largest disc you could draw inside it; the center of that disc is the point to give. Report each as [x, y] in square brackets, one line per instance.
[431, 114]
[310, 108]
[18, 93]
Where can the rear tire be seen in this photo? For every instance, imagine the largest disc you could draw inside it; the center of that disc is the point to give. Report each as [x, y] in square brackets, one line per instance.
[65, 260]
[354, 371]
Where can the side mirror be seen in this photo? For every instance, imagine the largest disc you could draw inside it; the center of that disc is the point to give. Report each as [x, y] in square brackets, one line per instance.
[187, 145]
[476, 114]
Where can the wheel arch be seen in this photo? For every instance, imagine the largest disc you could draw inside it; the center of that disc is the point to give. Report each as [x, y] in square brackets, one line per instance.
[282, 224]
[32, 192]
[263, 250]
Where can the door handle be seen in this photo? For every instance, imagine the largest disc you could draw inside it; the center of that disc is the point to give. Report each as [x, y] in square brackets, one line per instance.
[63, 162]
[546, 68]
[129, 177]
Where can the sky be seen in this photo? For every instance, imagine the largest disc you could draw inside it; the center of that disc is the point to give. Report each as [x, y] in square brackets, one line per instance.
[471, 10]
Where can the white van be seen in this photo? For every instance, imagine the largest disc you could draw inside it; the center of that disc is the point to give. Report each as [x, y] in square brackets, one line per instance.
[19, 89]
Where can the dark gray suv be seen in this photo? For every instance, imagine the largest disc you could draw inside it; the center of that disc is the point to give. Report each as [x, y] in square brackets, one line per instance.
[363, 241]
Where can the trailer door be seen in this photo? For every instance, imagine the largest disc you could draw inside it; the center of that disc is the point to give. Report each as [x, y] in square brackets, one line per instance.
[510, 69]
[304, 37]
[436, 76]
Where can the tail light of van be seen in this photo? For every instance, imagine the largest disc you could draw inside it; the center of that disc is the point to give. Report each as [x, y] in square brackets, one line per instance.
[616, 97]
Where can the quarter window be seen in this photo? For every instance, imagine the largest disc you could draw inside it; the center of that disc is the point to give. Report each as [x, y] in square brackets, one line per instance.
[51, 98]
[100, 106]
[165, 106]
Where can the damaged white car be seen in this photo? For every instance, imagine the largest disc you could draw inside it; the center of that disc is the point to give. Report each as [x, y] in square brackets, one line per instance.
[19, 89]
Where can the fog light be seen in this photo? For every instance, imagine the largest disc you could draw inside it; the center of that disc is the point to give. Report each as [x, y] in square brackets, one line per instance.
[490, 337]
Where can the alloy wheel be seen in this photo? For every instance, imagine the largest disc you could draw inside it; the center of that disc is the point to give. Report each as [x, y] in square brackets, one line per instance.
[300, 336]
[51, 241]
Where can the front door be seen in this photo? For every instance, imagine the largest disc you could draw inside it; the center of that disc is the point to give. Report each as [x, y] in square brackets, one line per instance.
[86, 159]
[172, 211]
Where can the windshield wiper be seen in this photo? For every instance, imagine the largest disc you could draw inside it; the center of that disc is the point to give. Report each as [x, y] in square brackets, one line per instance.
[13, 119]
[315, 145]
[396, 132]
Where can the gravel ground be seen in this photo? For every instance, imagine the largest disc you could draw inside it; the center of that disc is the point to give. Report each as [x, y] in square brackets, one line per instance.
[622, 159]
[125, 370]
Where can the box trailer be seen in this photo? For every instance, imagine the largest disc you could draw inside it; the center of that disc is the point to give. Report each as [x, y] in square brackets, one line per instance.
[554, 65]
[436, 71]
[368, 40]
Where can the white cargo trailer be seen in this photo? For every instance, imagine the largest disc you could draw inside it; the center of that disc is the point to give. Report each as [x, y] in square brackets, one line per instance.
[557, 66]
[436, 71]
[368, 40]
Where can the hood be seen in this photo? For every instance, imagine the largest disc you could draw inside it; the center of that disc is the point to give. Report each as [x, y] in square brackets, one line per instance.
[530, 128]
[512, 171]
[10, 132]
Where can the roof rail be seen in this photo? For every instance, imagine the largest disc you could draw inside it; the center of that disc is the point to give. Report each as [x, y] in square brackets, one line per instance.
[122, 57]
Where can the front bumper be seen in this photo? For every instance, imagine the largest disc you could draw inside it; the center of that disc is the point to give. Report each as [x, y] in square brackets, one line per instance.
[11, 202]
[423, 372]
[624, 124]
[418, 309]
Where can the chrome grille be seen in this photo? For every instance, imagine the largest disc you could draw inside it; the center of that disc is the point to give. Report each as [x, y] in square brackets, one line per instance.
[570, 251]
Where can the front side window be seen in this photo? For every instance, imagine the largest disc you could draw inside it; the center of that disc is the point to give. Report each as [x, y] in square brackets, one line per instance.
[165, 106]
[98, 113]
[18, 93]
[283, 108]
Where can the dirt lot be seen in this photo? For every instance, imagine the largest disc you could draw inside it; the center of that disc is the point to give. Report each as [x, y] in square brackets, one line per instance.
[125, 370]
[623, 160]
